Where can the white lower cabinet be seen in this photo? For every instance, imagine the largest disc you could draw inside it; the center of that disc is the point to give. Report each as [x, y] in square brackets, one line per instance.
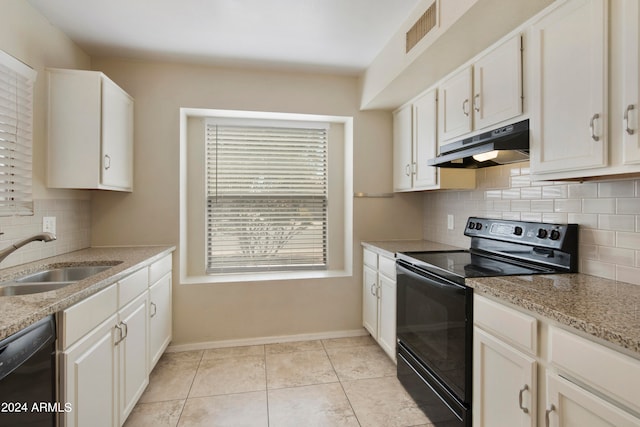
[504, 366]
[132, 354]
[587, 384]
[510, 402]
[160, 291]
[379, 300]
[89, 378]
[109, 343]
[570, 405]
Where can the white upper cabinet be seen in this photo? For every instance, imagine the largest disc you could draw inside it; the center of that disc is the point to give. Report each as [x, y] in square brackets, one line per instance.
[569, 88]
[90, 132]
[455, 105]
[482, 94]
[402, 149]
[497, 79]
[630, 104]
[415, 130]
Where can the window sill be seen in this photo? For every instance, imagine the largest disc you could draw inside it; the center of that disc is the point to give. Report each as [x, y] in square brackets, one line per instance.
[261, 277]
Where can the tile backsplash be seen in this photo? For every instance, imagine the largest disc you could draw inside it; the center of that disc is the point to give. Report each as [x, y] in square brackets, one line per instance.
[73, 230]
[608, 213]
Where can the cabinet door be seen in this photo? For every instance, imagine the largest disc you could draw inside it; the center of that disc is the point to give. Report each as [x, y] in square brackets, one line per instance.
[387, 318]
[159, 319]
[569, 89]
[402, 142]
[132, 351]
[504, 384]
[90, 378]
[370, 301]
[571, 406]
[425, 139]
[497, 85]
[117, 137]
[454, 106]
[631, 82]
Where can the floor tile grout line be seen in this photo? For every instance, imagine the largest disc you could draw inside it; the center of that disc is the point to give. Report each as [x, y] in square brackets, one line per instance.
[341, 385]
[190, 387]
[266, 382]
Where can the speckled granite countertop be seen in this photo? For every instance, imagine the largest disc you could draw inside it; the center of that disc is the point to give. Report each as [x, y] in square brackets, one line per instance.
[18, 312]
[603, 308]
[390, 247]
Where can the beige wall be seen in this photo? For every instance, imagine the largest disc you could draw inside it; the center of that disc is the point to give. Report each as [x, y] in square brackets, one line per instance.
[150, 215]
[28, 36]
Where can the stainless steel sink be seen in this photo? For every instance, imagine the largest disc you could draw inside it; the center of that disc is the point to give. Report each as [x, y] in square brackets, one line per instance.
[50, 279]
[63, 274]
[14, 288]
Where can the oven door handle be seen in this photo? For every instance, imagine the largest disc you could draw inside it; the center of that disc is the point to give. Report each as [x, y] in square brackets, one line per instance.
[432, 280]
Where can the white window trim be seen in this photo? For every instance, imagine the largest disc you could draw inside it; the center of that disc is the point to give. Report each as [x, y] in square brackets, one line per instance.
[346, 271]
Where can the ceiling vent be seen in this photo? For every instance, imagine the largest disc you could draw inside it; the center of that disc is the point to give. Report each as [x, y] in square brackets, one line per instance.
[423, 25]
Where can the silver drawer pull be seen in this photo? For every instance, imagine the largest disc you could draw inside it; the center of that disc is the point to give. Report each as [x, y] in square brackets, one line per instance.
[592, 127]
[547, 413]
[522, 390]
[155, 310]
[465, 107]
[630, 107]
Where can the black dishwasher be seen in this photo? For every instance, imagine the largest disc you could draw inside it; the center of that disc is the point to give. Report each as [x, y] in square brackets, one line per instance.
[28, 376]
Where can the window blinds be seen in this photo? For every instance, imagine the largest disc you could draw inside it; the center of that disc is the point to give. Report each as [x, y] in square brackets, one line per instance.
[16, 122]
[266, 198]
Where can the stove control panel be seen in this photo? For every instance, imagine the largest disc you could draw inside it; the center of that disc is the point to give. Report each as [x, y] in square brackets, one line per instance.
[551, 236]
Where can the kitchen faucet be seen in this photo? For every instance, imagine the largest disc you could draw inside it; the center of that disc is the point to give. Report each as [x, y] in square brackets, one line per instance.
[44, 237]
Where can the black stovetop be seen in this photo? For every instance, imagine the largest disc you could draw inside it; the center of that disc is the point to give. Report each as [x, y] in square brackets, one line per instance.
[464, 264]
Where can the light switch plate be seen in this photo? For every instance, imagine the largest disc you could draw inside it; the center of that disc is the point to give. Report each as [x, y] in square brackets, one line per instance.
[449, 222]
[49, 224]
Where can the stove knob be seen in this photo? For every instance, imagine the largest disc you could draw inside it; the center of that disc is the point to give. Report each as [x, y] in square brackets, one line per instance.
[517, 231]
[472, 225]
[542, 233]
[555, 235]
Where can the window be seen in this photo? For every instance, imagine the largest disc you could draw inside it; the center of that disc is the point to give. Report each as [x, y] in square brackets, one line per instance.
[267, 197]
[16, 122]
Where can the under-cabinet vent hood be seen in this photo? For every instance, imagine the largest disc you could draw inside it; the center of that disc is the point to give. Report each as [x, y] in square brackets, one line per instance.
[507, 144]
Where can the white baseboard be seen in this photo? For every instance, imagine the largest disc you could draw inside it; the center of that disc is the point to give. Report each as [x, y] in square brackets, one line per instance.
[266, 340]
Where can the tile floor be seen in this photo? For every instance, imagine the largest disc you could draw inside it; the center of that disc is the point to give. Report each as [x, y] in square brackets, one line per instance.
[336, 382]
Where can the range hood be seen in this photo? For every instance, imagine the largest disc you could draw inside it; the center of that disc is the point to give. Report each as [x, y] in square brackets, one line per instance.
[507, 144]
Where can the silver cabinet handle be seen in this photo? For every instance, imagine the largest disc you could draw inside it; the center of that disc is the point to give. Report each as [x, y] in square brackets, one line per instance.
[548, 412]
[107, 161]
[407, 169]
[373, 290]
[465, 107]
[126, 330]
[414, 168]
[522, 390]
[121, 337]
[155, 310]
[630, 107]
[591, 126]
[476, 104]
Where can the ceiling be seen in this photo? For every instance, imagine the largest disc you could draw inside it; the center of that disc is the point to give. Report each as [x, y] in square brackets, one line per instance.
[323, 35]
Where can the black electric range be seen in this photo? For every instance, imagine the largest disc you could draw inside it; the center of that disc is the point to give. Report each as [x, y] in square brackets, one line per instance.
[435, 307]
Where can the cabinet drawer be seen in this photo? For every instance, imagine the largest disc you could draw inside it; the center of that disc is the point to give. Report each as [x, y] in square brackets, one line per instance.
[387, 266]
[515, 327]
[87, 314]
[132, 286]
[159, 268]
[370, 258]
[607, 370]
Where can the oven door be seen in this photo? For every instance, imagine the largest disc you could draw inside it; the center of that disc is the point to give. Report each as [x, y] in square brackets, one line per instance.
[435, 325]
